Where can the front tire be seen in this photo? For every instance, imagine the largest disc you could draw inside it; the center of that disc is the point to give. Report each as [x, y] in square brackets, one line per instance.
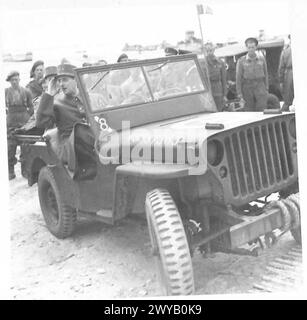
[296, 234]
[60, 218]
[169, 244]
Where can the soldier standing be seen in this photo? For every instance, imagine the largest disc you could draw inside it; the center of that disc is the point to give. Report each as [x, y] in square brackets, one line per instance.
[252, 78]
[286, 76]
[50, 74]
[37, 73]
[217, 76]
[19, 108]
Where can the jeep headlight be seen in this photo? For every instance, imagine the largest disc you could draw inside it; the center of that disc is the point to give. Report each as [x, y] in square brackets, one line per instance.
[215, 152]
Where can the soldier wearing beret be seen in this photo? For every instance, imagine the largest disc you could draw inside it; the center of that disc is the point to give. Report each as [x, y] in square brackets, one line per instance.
[286, 76]
[252, 78]
[66, 110]
[37, 73]
[19, 108]
[50, 73]
[122, 58]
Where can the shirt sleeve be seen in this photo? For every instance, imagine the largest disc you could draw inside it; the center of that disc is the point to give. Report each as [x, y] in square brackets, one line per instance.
[223, 78]
[6, 100]
[266, 74]
[239, 75]
[29, 103]
[45, 111]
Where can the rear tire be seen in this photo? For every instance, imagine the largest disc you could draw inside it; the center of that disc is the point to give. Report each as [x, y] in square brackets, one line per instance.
[169, 244]
[60, 218]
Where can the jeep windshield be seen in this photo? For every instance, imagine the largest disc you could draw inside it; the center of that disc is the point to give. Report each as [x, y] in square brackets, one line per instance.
[141, 83]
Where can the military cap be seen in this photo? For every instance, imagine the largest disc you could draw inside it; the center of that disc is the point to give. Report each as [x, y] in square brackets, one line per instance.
[170, 51]
[121, 57]
[86, 64]
[12, 74]
[50, 71]
[65, 70]
[35, 65]
[180, 51]
[251, 39]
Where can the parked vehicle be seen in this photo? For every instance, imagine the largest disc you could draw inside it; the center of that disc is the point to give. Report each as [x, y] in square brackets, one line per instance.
[196, 170]
[271, 49]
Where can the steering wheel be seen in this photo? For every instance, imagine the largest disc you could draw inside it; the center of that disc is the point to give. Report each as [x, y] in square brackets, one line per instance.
[170, 90]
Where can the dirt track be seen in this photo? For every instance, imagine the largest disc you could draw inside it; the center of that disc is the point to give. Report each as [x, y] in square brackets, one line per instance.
[103, 262]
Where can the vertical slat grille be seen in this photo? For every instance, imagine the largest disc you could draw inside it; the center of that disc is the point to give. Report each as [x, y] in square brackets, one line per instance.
[258, 157]
[275, 154]
[239, 164]
[267, 152]
[255, 165]
[287, 147]
[232, 170]
[247, 163]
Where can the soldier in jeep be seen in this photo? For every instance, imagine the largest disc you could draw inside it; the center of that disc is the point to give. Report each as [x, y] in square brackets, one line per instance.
[66, 111]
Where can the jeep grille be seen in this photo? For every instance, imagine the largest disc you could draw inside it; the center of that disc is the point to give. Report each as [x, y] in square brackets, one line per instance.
[258, 157]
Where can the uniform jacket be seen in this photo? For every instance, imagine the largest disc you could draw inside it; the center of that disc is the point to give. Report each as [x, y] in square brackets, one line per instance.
[64, 111]
[19, 106]
[251, 69]
[285, 64]
[217, 76]
[35, 88]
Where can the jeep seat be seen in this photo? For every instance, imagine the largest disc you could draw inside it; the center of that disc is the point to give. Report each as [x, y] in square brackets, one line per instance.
[51, 137]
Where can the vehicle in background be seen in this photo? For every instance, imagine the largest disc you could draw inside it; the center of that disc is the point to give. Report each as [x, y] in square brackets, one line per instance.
[18, 57]
[270, 49]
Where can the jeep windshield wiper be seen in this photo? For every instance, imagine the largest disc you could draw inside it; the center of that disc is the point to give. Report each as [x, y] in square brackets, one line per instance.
[160, 67]
[99, 80]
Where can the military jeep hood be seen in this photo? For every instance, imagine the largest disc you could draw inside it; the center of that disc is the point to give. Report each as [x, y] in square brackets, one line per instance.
[171, 133]
[229, 120]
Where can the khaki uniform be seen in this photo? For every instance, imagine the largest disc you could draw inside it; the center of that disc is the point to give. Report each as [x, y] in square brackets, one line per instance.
[286, 77]
[35, 88]
[252, 82]
[19, 108]
[217, 76]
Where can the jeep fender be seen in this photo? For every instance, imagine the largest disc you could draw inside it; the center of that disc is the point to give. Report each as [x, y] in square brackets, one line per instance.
[137, 179]
[67, 187]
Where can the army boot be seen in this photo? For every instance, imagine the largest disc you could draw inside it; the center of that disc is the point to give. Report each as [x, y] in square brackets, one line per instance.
[11, 173]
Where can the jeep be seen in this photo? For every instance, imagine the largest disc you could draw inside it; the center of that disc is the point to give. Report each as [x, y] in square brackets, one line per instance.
[202, 177]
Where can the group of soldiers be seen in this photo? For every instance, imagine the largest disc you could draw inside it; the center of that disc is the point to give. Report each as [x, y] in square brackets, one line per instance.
[252, 79]
[52, 97]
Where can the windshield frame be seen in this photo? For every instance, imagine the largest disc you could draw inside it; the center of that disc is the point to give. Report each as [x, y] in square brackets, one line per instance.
[140, 64]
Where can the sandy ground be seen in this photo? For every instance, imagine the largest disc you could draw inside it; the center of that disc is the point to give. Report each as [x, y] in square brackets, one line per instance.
[103, 262]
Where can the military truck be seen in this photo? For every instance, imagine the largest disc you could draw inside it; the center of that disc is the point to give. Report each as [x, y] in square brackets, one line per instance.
[202, 177]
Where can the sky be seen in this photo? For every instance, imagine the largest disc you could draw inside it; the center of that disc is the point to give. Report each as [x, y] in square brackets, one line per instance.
[33, 24]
